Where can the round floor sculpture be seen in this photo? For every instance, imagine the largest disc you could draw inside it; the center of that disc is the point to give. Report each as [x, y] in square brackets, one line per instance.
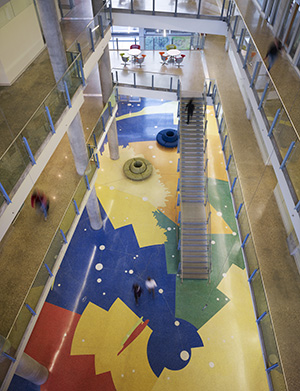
[167, 138]
[137, 169]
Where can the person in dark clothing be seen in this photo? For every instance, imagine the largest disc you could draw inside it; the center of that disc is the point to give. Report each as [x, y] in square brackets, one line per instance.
[137, 291]
[273, 52]
[190, 109]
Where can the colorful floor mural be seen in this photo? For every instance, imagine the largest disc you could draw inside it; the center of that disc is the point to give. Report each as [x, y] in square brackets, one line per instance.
[195, 335]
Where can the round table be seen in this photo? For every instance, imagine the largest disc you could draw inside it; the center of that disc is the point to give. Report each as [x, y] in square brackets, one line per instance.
[172, 53]
[134, 53]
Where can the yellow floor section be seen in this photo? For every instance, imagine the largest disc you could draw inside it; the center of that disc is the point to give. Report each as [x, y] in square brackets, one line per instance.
[131, 202]
[102, 334]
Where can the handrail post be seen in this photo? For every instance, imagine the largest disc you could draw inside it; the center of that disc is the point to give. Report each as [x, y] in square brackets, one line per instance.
[263, 96]
[5, 195]
[31, 157]
[50, 119]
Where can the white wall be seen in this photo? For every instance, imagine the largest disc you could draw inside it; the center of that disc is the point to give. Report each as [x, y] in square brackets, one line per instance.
[20, 43]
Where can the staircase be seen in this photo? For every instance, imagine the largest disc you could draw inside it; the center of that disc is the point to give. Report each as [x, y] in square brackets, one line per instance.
[194, 216]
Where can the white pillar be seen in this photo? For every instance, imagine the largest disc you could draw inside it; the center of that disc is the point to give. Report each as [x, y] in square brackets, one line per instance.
[78, 146]
[52, 33]
[113, 143]
[106, 88]
[93, 211]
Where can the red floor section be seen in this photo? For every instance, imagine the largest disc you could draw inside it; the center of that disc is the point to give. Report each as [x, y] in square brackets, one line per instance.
[54, 332]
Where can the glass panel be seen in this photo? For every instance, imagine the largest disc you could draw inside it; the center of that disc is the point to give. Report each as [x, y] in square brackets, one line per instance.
[19, 5]
[80, 192]
[295, 43]
[292, 166]
[271, 104]
[238, 29]
[244, 45]
[237, 195]
[6, 14]
[259, 294]
[2, 199]
[53, 251]
[56, 103]
[244, 223]
[18, 329]
[72, 78]
[98, 131]
[250, 255]
[12, 165]
[252, 58]
[261, 80]
[164, 6]
[68, 219]
[37, 130]
[145, 5]
[284, 134]
[285, 25]
[121, 4]
[294, 26]
[91, 170]
[84, 42]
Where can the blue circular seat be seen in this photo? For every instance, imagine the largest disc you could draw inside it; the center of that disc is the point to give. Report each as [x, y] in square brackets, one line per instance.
[167, 138]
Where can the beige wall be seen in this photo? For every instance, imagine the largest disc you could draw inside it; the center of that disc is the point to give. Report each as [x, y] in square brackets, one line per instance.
[20, 43]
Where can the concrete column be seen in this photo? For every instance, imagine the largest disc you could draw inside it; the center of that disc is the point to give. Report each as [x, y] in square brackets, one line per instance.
[52, 33]
[106, 88]
[93, 211]
[78, 146]
[28, 368]
[113, 143]
[105, 75]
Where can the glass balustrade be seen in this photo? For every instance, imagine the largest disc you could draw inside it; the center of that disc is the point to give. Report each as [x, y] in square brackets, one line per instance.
[256, 285]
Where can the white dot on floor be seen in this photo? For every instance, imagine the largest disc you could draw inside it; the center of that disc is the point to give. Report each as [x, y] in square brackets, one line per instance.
[219, 213]
[176, 323]
[226, 298]
[225, 206]
[213, 242]
[99, 266]
[173, 256]
[184, 355]
[154, 156]
[218, 299]
[168, 378]
[122, 375]
[155, 127]
[103, 293]
[234, 233]
[224, 274]
[84, 229]
[174, 228]
[232, 336]
[224, 340]
[145, 198]
[133, 257]
[137, 255]
[133, 370]
[112, 187]
[130, 271]
[160, 291]
[82, 340]
[102, 247]
[169, 228]
[99, 280]
[170, 161]
[211, 364]
[150, 147]
[58, 284]
[126, 271]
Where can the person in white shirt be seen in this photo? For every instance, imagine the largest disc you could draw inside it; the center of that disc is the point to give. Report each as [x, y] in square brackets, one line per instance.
[151, 285]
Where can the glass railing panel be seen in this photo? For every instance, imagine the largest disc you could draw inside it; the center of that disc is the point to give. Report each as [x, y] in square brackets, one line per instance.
[18, 6]
[84, 42]
[2, 199]
[250, 253]
[284, 133]
[232, 171]
[12, 164]
[238, 196]
[105, 115]
[68, 219]
[243, 223]
[80, 192]
[238, 30]
[99, 130]
[244, 45]
[17, 330]
[146, 5]
[54, 249]
[164, 6]
[292, 166]
[56, 103]
[90, 171]
[37, 130]
[252, 58]
[271, 104]
[72, 78]
[259, 294]
[272, 355]
[262, 79]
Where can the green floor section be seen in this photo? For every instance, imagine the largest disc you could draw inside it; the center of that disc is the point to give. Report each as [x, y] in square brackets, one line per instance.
[197, 301]
[171, 243]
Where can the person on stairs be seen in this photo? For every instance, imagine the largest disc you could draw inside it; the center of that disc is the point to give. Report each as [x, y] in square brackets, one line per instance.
[190, 109]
